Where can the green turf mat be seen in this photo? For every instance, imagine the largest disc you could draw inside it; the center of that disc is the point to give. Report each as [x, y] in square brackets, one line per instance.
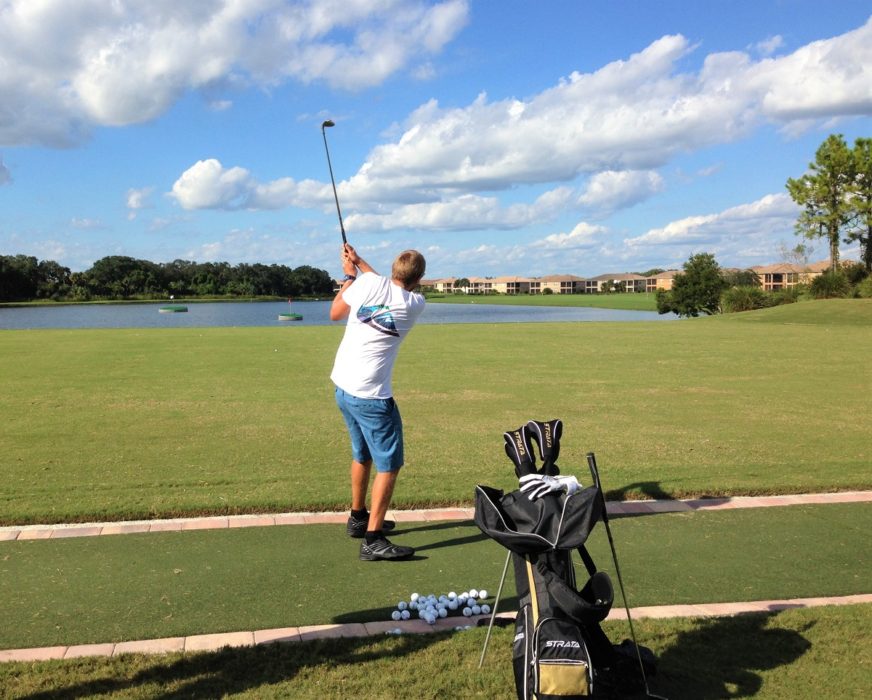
[125, 587]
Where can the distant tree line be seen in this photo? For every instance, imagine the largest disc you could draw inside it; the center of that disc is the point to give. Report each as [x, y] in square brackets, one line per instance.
[24, 278]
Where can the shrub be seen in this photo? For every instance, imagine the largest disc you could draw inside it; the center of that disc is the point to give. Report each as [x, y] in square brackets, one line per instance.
[788, 295]
[864, 289]
[830, 285]
[744, 298]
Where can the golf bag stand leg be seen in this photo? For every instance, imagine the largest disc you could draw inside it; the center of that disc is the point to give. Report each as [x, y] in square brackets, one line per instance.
[494, 611]
[594, 472]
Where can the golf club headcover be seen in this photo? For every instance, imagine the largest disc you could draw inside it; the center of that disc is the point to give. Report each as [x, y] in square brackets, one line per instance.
[546, 435]
[520, 451]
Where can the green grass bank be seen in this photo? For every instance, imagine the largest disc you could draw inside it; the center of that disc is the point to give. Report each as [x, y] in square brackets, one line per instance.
[112, 424]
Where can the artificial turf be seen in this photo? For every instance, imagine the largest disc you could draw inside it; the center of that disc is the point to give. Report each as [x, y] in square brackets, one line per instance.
[124, 587]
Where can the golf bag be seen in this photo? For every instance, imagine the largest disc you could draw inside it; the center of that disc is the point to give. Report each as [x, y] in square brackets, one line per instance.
[559, 649]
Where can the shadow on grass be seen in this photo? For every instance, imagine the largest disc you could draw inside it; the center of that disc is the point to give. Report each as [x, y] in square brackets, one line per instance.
[651, 489]
[722, 657]
[230, 671]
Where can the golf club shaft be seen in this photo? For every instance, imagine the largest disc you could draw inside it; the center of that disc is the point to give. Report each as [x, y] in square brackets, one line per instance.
[591, 463]
[494, 611]
[332, 181]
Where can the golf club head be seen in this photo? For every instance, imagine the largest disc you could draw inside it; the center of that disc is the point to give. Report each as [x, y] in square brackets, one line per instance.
[327, 123]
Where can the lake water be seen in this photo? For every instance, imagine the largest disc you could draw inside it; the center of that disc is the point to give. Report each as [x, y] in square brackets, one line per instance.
[315, 313]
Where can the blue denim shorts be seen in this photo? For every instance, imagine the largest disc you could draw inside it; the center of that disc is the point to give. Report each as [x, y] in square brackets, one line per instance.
[376, 430]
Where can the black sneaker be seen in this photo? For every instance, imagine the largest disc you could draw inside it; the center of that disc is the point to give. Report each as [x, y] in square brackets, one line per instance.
[384, 549]
[357, 528]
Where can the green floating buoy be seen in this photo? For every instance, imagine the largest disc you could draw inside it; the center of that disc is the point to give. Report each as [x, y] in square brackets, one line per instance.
[289, 315]
[173, 309]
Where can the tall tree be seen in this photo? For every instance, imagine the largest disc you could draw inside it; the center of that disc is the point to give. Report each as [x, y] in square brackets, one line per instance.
[861, 200]
[824, 194]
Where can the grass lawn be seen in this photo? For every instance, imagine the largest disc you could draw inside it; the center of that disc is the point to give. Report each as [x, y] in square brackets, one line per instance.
[642, 301]
[110, 424]
[793, 654]
[125, 587]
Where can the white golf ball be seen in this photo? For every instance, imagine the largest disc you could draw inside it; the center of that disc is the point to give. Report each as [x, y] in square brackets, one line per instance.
[476, 610]
[452, 605]
[406, 614]
[431, 620]
[473, 593]
[452, 595]
[413, 605]
[402, 605]
[443, 612]
[467, 612]
[396, 615]
[422, 613]
[482, 594]
[485, 609]
[414, 597]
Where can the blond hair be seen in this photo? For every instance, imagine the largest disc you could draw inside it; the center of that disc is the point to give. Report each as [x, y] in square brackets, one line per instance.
[409, 268]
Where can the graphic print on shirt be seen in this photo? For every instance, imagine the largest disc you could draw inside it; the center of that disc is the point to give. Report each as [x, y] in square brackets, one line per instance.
[379, 317]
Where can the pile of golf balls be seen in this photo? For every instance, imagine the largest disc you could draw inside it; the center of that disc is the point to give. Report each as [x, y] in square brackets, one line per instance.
[431, 607]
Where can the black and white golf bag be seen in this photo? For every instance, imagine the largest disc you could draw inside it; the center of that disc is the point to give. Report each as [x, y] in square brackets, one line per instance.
[559, 649]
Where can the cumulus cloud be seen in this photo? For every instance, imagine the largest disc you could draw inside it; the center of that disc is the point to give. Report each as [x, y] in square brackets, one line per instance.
[630, 115]
[209, 185]
[609, 191]
[740, 225]
[70, 65]
[584, 235]
[464, 212]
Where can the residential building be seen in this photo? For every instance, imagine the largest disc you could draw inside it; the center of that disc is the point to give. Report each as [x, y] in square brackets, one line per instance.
[627, 281]
[786, 275]
[662, 280]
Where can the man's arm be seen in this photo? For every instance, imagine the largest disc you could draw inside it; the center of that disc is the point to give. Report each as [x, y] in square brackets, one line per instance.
[339, 310]
[358, 261]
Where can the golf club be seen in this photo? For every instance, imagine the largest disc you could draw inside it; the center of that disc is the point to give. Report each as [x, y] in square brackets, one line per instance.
[329, 123]
[591, 463]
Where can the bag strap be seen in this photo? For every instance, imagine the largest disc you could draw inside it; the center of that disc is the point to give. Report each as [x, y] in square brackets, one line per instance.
[568, 599]
[587, 559]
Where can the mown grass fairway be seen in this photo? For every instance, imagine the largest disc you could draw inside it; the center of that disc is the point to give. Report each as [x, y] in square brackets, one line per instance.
[117, 588]
[781, 656]
[110, 424]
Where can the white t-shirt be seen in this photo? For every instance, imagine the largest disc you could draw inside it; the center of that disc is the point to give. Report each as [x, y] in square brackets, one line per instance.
[382, 314]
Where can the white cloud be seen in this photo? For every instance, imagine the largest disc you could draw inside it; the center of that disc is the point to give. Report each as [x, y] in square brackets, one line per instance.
[584, 235]
[733, 230]
[769, 46]
[609, 191]
[138, 199]
[70, 65]
[86, 224]
[464, 212]
[629, 115]
[209, 185]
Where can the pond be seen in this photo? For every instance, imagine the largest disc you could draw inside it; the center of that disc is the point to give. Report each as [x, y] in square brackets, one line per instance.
[315, 313]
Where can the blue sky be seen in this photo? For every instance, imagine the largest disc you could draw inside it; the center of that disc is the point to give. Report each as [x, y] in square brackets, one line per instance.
[497, 136]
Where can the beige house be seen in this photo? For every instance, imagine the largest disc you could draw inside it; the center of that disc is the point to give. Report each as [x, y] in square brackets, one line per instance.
[630, 281]
[444, 285]
[511, 285]
[558, 284]
[662, 280]
[786, 275]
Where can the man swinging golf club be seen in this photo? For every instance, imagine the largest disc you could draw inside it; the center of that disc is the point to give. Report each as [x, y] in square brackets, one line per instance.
[380, 311]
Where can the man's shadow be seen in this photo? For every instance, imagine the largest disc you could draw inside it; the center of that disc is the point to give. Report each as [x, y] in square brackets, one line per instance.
[722, 657]
[651, 489]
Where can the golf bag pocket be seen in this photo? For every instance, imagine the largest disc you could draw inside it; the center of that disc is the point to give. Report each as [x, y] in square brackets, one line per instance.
[561, 662]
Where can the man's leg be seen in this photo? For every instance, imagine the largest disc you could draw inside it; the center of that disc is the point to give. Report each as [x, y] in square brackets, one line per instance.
[359, 483]
[382, 491]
